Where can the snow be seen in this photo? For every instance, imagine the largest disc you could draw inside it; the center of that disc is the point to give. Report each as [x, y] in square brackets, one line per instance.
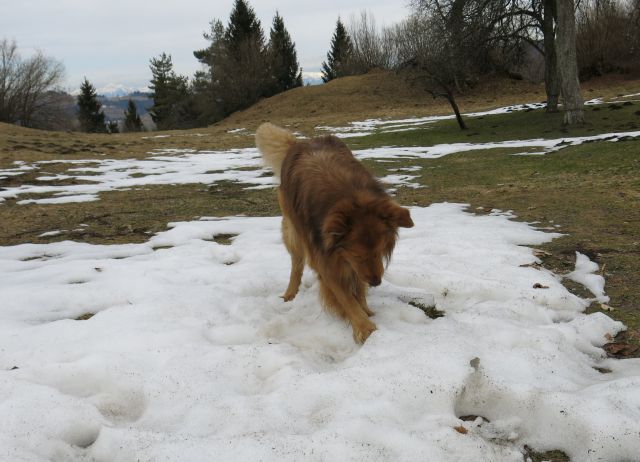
[440, 150]
[192, 355]
[367, 127]
[168, 166]
[585, 274]
[188, 166]
[51, 233]
[155, 136]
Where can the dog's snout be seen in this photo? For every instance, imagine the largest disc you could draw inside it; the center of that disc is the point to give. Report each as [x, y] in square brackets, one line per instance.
[375, 281]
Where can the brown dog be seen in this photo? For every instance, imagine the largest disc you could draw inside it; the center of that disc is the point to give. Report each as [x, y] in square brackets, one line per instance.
[336, 217]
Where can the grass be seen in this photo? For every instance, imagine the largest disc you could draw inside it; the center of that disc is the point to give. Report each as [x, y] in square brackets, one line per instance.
[520, 125]
[130, 216]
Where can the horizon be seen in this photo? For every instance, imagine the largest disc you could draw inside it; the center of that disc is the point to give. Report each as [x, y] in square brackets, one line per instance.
[66, 31]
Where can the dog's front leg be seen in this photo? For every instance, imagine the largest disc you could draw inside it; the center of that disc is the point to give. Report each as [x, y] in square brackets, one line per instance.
[361, 296]
[347, 306]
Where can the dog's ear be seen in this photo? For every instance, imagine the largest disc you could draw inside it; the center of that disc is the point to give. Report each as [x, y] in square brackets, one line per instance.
[396, 215]
[335, 227]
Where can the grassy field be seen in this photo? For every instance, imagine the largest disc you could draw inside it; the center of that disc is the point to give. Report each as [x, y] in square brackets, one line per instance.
[592, 191]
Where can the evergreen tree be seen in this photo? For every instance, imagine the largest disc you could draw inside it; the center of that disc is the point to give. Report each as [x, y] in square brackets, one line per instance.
[132, 122]
[206, 86]
[284, 69]
[171, 96]
[90, 116]
[337, 64]
[208, 55]
[236, 61]
[241, 71]
[244, 26]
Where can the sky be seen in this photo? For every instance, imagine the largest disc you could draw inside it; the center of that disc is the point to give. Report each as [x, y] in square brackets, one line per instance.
[111, 42]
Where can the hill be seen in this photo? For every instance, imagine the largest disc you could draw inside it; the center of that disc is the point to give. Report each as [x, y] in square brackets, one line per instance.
[386, 95]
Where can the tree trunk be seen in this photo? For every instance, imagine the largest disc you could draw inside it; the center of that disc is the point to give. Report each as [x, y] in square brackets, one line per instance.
[551, 76]
[568, 63]
[456, 110]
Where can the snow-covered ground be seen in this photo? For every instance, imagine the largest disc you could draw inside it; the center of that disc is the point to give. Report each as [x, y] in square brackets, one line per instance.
[187, 166]
[192, 356]
[168, 166]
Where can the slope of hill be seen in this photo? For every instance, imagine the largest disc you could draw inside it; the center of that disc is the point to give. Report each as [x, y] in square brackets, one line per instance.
[383, 94]
[378, 94]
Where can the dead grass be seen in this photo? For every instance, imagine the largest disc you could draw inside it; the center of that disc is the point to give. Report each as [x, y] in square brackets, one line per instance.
[130, 216]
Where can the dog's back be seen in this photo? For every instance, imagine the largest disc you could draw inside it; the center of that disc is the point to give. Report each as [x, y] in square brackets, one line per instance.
[317, 175]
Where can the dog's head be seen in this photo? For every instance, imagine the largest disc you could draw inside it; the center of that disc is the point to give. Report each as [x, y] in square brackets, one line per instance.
[364, 233]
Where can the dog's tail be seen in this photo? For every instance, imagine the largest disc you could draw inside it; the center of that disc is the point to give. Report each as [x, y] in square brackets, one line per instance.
[274, 143]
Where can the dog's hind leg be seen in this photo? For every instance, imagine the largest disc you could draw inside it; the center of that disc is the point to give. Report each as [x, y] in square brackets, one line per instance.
[294, 246]
[347, 307]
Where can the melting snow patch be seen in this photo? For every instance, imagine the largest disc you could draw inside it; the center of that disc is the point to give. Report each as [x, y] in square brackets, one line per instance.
[188, 166]
[62, 199]
[169, 166]
[51, 233]
[585, 273]
[441, 150]
[237, 130]
[191, 352]
[367, 127]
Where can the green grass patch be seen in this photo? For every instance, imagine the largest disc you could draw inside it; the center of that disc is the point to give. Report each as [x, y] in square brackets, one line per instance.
[519, 125]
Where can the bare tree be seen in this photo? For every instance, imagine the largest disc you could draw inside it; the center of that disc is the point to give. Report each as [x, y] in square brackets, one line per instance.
[568, 63]
[452, 42]
[56, 112]
[24, 85]
[607, 37]
[551, 74]
[425, 43]
[372, 48]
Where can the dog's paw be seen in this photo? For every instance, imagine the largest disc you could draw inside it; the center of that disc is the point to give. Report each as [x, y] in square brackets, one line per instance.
[289, 295]
[363, 330]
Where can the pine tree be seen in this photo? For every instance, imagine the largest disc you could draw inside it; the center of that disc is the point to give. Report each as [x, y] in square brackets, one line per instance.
[171, 96]
[284, 69]
[216, 36]
[337, 64]
[132, 122]
[244, 26]
[206, 85]
[90, 116]
[243, 80]
[236, 60]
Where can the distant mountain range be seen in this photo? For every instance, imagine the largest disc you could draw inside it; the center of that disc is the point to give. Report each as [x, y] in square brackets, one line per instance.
[114, 106]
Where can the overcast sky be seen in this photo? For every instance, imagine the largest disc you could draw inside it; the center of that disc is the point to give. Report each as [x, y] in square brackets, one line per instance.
[111, 41]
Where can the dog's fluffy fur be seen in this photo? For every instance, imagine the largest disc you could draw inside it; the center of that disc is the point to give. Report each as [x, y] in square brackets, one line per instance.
[336, 217]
